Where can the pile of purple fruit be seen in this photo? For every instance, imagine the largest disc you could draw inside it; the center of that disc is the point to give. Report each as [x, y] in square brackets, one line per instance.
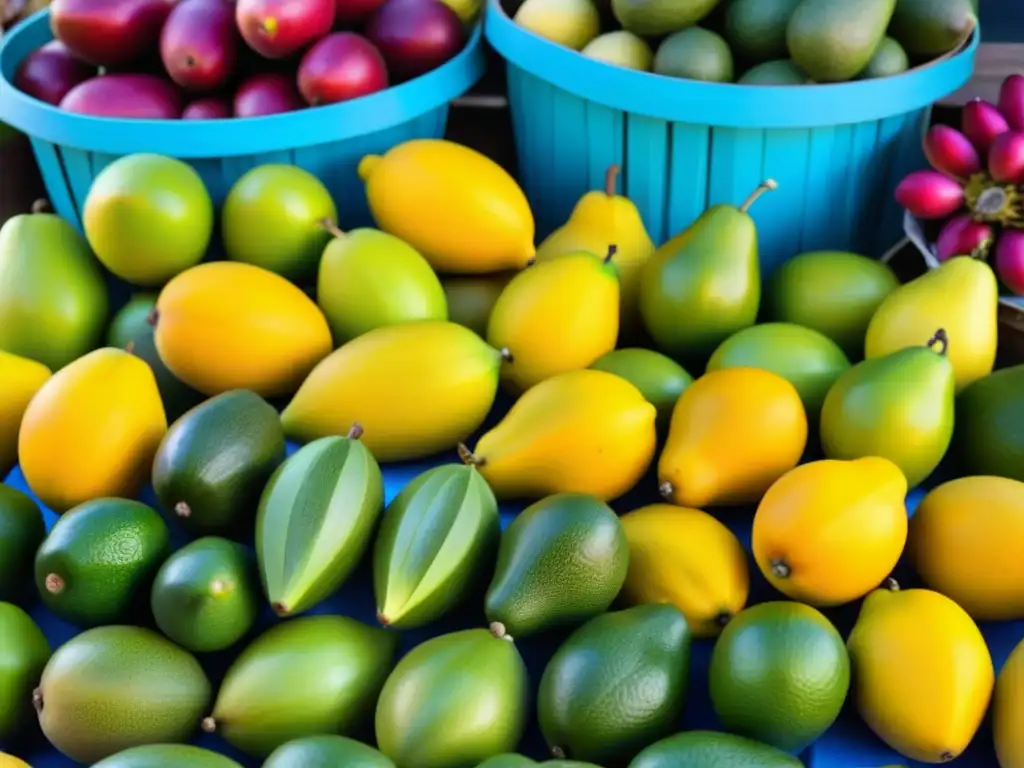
[975, 187]
[210, 59]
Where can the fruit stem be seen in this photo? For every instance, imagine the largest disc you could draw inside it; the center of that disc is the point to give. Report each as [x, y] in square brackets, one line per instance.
[506, 355]
[355, 431]
[940, 337]
[181, 509]
[331, 227]
[37, 700]
[153, 317]
[781, 569]
[667, 490]
[208, 724]
[279, 608]
[612, 250]
[767, 185]
[190, 61]
[723, 618]
[269, 26]
[610, 177]
[383, 620]
[129, 347]
[468, 457]
[42, 205]
[54, 584]
[891, 584]
[498, 630]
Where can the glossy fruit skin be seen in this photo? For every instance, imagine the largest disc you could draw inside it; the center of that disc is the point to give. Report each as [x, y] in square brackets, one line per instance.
[929, 194]
[22, 379]
[199, 44]
[711, 749]
[339, 67]
[326, 752]
[48, 73]
[109, 32]
[266, 93]
[989, 431]
[207, 108]
[981, 123]
[276, 29]
[351, 12]
[660, 379]
[951, 152]
[1006, 158]
[128, 96]
[1010, 260]
[1006, 711]
[167, 756]
[415, 36]
[22, 530]
[1011, 101]
[23, 656]
[963, 236]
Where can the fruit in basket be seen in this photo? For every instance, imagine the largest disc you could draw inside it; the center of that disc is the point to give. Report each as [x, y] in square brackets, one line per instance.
[381, 381]
[963, 236]
[91, 430]
[326, 751]
[572, 23]
[695, 54]
[930, 28]
[981, 122]
[922, 673]
[711, 749]
[340, 67]
[655, 18]
[1010, 260]
[559, 315]
[48, 73]
[951, 152]
[115, 687]
[660, 379]
[1006, 711]
[207, 108]
[960, 296]
[734, 432]
[1006, 158]
[99, 559]
[756, 29]
[22, 659]
[199, 44]
[266, 93]
[780, 72]
[930, 194]
[421, 716]
[621, 48]
[653, 643]
[889, 59]
[322, 673]
[128, 96]
[1011, 101]
[315, 521]
[211, 467]
[21, 532]
[53, 297]
[415, 36]
[795, 539]
[471, 298]
[460, 209]
[437, 540]
[226, 325]
[686, 558]
[277, 29]
[148, 218]
[109, 32]
[22, 378]
[716, 256]
[990, 425]
[820, 41]
[562, 561]
[580, 432]
[167, 756]
[369, 279]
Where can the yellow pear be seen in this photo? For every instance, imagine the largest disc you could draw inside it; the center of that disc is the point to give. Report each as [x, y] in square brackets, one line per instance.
[580, 432]
[556, 316]
[572, 23]
[961, 296]
[21, 378]
[599, 220]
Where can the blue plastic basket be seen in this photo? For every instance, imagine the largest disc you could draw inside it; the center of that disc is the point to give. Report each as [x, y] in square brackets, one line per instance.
[837, 151]
[327, 141]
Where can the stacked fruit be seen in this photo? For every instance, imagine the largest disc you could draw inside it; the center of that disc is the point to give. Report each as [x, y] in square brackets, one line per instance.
[760, 42]
[208, 59]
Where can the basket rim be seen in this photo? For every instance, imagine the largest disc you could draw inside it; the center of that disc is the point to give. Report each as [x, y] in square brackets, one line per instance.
[231, 137]
[729, 105]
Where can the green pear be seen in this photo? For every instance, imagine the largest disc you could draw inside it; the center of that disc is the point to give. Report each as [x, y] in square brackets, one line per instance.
[899, 407]
[572, 23]
[654, 18]
[833, 40]
[704, 284]
[621, 48]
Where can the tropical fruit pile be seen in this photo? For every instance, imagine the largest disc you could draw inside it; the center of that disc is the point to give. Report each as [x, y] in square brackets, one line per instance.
[756, 42]
[211, 59]
[263, 396]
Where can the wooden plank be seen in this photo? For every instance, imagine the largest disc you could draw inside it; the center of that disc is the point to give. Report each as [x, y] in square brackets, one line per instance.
[994, 61]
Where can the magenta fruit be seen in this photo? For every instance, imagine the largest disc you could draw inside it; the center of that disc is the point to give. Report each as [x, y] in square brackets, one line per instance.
[340, 67]
[143, 97]
[207, 108]
[951, 152]
[277, 29]
[963, 236]
[199, 44]
[267, 93]
[930, 195]
[982, 122]
[1011, 101]
[109, 33]
[1006, 158]
[48, 73]
[1010, 260]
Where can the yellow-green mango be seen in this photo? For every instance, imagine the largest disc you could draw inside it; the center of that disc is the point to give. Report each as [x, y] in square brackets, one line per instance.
[660, 379]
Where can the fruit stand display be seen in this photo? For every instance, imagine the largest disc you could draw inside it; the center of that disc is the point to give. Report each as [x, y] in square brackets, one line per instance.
[322, 448]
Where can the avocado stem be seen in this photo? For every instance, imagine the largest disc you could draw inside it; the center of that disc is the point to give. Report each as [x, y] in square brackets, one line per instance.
[468, 457]
[612, 250]
[610, 178]
[42, 205]
[331, 227]
[183, 510]
[153, 317]
[37, 700]
[767, 185]
[891, 584]
[667, 490]
[781, 569]
[209, 725]
[54, 584]
[355, 431]
[940, 337]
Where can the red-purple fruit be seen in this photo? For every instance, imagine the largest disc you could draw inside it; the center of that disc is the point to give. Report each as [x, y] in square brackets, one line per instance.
[951, 152]
[1011, 101]
[199, 44]
[930, 195]
[1010, 259]
[340, 67]
[415, 36]
[129, 96]
[267, 93]
[963, 236]
[1006, 158]
[207, 108]
[109, 33]
[277, 29]
[981, 123]
[48, 73]
[349, 12]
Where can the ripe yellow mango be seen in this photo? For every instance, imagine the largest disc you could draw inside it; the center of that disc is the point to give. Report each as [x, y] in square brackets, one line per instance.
[922, 674]
[92, 430]
[579, 432]
[229, 325]
[457, 207]
[20, 379]
[734, 432]
[1008, 711]
[829, 532]
[416, 389]
[556, 316]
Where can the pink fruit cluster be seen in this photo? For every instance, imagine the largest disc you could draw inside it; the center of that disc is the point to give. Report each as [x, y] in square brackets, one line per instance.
[210, 59]
[976, 184]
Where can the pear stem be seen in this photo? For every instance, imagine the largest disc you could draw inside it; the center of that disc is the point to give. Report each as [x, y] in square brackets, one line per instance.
[940, 337]
[468, 457]
[41, 206]
[612, 250]
[331, 227]
[611, 176]
[767, 185]
[891, 584]
[506, 355]
[209, 725]
[355, 431]
[130, 347]
[37, 700]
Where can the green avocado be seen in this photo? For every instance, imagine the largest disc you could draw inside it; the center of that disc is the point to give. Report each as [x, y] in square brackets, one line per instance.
[833, 40]
[24, 652]
[326, 752]
[660, 379]
[22, 530]
[989, 431]
[709, 749]
[167, 756]
[889, 59]
[930, 28]
[756, 29]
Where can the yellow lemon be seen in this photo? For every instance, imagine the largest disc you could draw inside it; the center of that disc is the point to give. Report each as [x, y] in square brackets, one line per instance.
[21, 379]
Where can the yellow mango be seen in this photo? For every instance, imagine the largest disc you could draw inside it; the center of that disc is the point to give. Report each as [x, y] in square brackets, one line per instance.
[1008, 711]
[922, 674]
[688, 559]
[579, 432]
[829, 532]
[92, 430]
[416, 389]
[965, 542]
[557, 316]
[457, 207]
[10, 761]
[734, 432]
[21, 378]
[228, 325]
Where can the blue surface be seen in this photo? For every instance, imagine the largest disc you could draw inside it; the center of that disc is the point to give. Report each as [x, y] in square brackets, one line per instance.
[1003, 20]
[327, 141]
[837, 151]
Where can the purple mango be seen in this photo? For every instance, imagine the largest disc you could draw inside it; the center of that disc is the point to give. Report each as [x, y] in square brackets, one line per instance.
[951, 152]
[1006, 158]
[207, 108]
[982, 122]
[963, 236]
[1011, 101]
[930, 195]
[1010, 260]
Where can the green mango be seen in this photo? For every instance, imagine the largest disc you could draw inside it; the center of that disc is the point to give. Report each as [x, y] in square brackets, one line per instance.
[695, 53]
[660, 379]
[454, 701]
[636, 662]
[472, 297]
[315, 520]
[756, 29]
[326, 752]
[889, 59]
[306, 677]
[370, 279]
[561, 561]
[709, 749]
[507, 761]
[930, 28]
[808, 360]
[704, 284]
[833, 40]
[22, 530]
[989, 431]
[899, 407]
[24, 651]
[437, 539]
[53, 296]
[778, 72]
[167, 756]
[655, 18]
